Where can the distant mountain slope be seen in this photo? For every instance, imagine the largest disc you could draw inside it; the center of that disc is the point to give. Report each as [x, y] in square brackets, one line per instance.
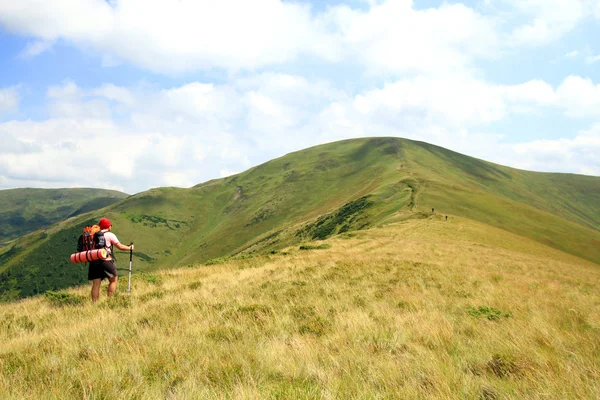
[23, 211]
[313, 194]
[570, 196]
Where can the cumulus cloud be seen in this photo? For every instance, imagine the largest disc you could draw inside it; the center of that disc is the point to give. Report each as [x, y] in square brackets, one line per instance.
[278, 105]
[9, 100]
[171, 36]
[572, 54]
[58, 160]
[578, 155]
[68, 90]
[11, 145]
[71, 152]
[580, 97]
[127, 155]
[36, 48]
[115, 93]
[456, 102]
[68, 100]
[550, 19]
[390, 36]
[592, 59]
[586, 53]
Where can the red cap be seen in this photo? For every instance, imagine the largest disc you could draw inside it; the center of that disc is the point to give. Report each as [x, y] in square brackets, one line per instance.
[104, 223]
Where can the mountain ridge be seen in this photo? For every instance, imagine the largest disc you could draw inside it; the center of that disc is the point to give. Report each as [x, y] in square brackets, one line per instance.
[25, 210]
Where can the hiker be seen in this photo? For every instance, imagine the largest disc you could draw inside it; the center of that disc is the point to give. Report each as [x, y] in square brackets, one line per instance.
[432, 210]
[101, 269]
[446, 218]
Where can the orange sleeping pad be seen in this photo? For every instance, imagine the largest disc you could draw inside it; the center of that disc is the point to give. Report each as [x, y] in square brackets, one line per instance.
[90, 255]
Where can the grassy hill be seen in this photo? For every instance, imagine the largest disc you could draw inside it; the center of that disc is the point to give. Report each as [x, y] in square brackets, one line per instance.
[311, 195]
[23, 211]
[420, 308]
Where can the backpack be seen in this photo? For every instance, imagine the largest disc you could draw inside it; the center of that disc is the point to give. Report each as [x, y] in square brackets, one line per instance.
[85, 242]
[99, 242]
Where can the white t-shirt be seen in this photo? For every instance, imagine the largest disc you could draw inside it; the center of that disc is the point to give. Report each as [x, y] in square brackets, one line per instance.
[110, 239]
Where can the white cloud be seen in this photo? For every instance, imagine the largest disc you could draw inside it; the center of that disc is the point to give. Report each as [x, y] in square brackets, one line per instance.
[529, 97]
[393, 37]
[456, 102]
[225, 173]
[171, 36]
[580, 97]
[577, 155]
[196, 129]
[9, 100]
[36, 48]
[130, 155]
[68, 100]
[11, 145]
[177, 179]
[572, 54]
[389, 37]
[586, 53]
[592, 59]
[115, 93]
[201, 99]
[68, 90]
[550, 19]
[57, 150]
[278, 103]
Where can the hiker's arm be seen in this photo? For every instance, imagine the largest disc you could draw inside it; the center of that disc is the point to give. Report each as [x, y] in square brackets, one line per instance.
[123, 247]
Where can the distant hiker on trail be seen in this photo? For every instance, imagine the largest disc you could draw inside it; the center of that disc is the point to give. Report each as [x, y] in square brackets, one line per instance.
[446, 218]
[432, 210]
[101, 269]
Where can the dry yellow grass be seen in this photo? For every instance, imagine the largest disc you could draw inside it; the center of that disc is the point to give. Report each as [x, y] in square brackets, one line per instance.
[418, 309]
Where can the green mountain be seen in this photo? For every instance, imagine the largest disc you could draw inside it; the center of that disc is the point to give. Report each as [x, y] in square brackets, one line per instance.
[23, 211]
[314, 194]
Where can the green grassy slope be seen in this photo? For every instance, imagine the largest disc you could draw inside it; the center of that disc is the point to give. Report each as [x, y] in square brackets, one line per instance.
[570, 196]
[419, 309]
[312, 194]
[23, 211]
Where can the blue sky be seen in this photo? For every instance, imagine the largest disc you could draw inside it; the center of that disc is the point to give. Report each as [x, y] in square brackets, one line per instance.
[180, 93]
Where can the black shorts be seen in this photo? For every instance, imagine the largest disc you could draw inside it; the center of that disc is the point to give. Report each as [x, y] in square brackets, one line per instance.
[102, 269]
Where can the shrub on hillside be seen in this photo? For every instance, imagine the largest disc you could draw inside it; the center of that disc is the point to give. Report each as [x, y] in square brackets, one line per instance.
[64, 299]
[491, 313]
[313, 247]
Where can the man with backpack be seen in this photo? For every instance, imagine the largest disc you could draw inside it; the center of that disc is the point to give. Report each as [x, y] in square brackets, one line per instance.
[100, 269]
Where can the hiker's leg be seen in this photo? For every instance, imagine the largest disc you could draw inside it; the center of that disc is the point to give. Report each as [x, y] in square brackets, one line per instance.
[96, 289]
[112, 286]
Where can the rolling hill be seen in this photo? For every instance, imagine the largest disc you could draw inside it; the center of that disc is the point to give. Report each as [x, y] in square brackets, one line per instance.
[313, 194]
[23, 211]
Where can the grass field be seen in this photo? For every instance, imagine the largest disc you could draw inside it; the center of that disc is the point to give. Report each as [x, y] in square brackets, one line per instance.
[422, 308]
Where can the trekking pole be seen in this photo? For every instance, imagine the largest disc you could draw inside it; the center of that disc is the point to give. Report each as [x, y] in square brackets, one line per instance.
[130, 258]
